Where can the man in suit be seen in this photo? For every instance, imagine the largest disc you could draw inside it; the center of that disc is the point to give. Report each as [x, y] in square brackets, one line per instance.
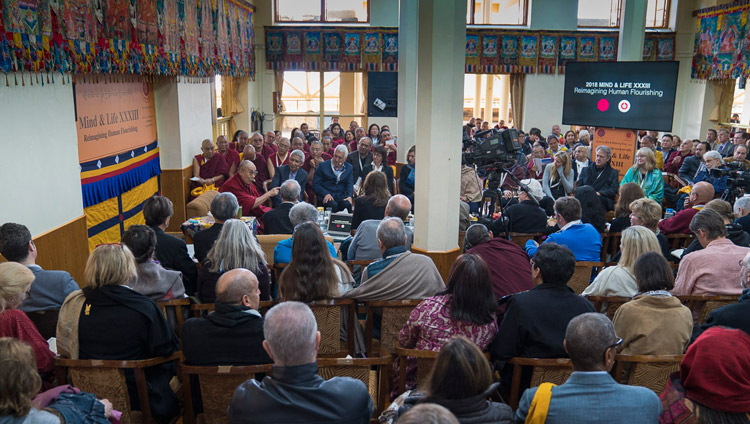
[171, 251]
[223, 207]
[50, 288]
[725, 146]
[233, 333]
[293, 171]
[361, 159]
[591, 395]
[277, 220]
[692, 164]
[333, 182]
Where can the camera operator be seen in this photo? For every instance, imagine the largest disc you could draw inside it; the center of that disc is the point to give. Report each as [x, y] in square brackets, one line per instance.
[739, 157]
[526, 216]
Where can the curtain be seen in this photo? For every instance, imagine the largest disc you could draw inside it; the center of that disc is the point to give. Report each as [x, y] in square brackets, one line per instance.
[363, 109]
[516, 98]
[230, 106]
[724, 97]
[278, 88]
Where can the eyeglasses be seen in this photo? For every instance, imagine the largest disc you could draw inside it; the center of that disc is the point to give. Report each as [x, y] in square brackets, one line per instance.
[615, 344]
[110, 244]
[531, 261]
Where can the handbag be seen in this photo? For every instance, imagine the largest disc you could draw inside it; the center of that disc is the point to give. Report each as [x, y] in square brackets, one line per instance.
[540, 404]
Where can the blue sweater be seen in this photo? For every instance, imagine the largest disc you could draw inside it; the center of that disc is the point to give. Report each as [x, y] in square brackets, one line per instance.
[582, 239]
[282, 253]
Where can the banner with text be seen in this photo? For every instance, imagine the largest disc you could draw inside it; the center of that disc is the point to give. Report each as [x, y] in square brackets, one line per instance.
[622, 142]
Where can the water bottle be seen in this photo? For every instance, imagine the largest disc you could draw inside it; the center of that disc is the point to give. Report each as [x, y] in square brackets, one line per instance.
[321, 218]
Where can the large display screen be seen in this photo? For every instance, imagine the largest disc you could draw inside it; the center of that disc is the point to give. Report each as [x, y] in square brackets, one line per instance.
[632, 95]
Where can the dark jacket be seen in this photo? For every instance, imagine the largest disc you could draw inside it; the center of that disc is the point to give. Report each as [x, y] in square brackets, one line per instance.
[526, 217]
[207, 282]
[276, 221]
[473, 410]
[172, 253]
[325, 181]
[534, 326]
[359, 171]
[230, 335]
[204, 240]
[388, 171]
[619, 224]
[604, 181]
[281, 175]
[736, 315]
[364, 210]
[689, 167]
[745, 222]
[122, 324]
[405, 187]
[299, 395]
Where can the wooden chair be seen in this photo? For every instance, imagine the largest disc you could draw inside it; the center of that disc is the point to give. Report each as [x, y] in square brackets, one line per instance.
[217, 385]
[650, 371]
[582, 276]
[202, 309]
[520, 239]
[608, 305]
[328, 316]
[461, 240]
[394, 314]
[45, 321]
[425, 363]
[610, 246]
[673, 180]
[679, 241]
[268, 242]
[363, 263]
[373, 372]
[106, 378]
[554, 370]
[174, 308]
[702, 305]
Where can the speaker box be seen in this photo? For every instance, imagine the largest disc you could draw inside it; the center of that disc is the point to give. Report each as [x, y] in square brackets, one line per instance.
[382, 86]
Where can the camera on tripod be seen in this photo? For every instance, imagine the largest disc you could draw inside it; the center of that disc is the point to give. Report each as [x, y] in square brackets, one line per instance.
[499, 146]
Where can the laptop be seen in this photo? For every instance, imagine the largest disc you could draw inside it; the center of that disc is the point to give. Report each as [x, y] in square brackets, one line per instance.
[340, 226]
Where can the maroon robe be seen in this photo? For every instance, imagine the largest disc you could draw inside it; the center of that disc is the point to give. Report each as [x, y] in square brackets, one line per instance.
[262, 167]
[269, 150]
[231, 157]
[306, 166]
[212, 168]
[246, 196]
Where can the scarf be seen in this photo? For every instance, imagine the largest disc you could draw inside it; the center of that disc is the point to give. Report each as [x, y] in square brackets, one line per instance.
[716, 370]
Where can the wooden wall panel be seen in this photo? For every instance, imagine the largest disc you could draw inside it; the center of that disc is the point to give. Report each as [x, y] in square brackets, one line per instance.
[175, 184]
[442, 259]
[64, 248]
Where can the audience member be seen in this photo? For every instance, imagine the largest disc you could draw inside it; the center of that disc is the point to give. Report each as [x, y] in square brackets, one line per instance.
[337, 134]
[401, 274]
[584, 139]
[666, 148]
[535, 321]
[581, 160]
[298, 214]
[223, 207]
[379, 157]
[711, 136]
[592, 211]
[235, 248]
[590, 395]
[724, 145]
[108, 320]
[649, 142]
[294, 392]
[233, 333]
[461, 380]
[553, 143]
[471, 186]
[171, 252]
[281, 157]
[537, 170]
[371, 204]
[408, 175]
[569, 139]
[601, 176]
[526, 216]
[50, 288]
[231, 157]
[312, 274]
[736, 315]
[741, 210]
[654, 322]
[692, 164]
[428, 413]
[712, 270]
[239, 141]
[153, 280]
[208, 167]
[466, 307]
[558, 176]
[701, 194]
[291, 171]
[361, 160]
[314, 159]
[712, 384]
[629, 193]
[333, 182]
[276, 221]
[712, 160]
[676, 159]
[269, 144]
[646, 174]
[582, 239]
[619, 280]
[373, 132]
[15, 281]
[509, 267]
[243, 187]
[261, 166]
[647, 213]
[735, 233]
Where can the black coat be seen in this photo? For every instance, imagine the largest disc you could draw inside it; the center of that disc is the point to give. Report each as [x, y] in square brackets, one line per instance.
[364, 210]
[689, 167]
[172, 253]
[736, 315]
[476, 409]
[359, 171]
[404, 186]
[604, 181]
[276, 221]
[204, 240]
[526, 217]
[228, 336]
[619, 224]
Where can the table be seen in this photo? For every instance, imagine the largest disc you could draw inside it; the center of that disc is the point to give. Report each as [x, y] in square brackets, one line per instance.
[195, 225]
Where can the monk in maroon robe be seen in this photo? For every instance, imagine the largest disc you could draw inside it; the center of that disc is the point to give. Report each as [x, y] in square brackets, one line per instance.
[230, 156]
[260, 165]
[315, 158]
[248, 196]
[241, 140]
[269, 146]
[208, 167]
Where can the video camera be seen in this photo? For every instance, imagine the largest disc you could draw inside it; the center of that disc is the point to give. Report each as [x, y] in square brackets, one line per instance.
[499, 146]
[738, 178]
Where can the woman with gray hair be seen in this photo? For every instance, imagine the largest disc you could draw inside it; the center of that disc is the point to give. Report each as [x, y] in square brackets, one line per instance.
[236, 247]
[712, 160]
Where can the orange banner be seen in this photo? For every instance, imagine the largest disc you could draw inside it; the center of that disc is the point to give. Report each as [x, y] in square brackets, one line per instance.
[622, 142]
[113, 118]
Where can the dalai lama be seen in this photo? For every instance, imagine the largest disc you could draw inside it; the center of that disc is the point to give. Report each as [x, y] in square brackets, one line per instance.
[248, 196]
[209, 167]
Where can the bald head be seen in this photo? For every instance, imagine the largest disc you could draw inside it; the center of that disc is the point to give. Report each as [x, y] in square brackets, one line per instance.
[398, 206]
[704, 192]
[249, 152]
[238, 287]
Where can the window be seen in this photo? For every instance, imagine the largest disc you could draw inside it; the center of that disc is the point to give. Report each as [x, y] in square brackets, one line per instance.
[477, 87]
[496, 12]
[606, 13]
[342, 96]
[323, 11]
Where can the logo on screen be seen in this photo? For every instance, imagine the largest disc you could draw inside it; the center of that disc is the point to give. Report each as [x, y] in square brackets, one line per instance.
[624, 106]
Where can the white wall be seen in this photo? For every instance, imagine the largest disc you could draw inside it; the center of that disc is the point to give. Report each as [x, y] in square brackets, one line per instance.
[554, 15]
[543, 102]
[39, 165]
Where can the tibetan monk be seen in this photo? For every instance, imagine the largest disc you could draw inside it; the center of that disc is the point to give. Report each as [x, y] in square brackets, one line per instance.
[248, 196]
[209, 167]
[269, 144]
[231, 157]
[260, 165]
[239, 141]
